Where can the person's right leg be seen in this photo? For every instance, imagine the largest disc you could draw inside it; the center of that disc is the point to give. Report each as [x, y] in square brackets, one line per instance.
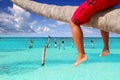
[78, 39]
[105, 37]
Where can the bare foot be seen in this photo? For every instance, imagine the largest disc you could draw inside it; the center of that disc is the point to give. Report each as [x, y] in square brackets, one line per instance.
[80, 60]
[105, 53]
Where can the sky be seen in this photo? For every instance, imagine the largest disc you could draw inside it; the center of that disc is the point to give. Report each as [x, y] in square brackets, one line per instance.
[17, 22]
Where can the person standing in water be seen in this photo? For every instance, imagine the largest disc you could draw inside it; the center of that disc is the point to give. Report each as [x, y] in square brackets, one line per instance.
[55, 43]
[81, 16]
[63, 44]
[92, 43]
[31, 44]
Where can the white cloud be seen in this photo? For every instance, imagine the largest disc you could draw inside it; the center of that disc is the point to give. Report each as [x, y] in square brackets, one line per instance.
[61, 23]
[88, 31]
[2, 30]
[52, 25]
[16, 11]
[17, 21]
[32, 24]
[42, 29]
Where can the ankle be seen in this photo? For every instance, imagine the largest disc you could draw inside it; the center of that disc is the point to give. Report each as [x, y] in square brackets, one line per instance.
[81, 55]
[105, 49]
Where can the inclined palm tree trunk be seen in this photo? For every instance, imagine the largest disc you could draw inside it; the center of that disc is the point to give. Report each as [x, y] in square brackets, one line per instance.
[108, 20]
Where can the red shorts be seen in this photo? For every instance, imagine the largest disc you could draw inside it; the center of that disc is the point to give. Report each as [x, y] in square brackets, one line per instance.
[84, 11]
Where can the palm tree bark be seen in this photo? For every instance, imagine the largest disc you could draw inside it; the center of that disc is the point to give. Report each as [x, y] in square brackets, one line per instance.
[107, 20]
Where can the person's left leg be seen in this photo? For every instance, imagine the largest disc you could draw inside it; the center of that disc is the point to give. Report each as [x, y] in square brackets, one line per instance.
[105, 37]
[78, 39]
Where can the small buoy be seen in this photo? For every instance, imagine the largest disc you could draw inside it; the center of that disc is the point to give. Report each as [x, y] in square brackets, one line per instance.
[43, 55]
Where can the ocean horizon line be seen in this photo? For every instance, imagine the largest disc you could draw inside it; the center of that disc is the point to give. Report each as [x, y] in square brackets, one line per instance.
[47, 37]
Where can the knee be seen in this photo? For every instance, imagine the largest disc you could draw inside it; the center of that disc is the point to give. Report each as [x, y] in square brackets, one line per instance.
[73, 26]
[71, 23]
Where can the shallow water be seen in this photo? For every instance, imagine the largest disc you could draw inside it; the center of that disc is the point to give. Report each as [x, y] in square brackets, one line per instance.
[18, 62]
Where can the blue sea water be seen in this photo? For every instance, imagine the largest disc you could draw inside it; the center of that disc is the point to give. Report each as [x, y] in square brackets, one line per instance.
[22, 43]
[18, 62]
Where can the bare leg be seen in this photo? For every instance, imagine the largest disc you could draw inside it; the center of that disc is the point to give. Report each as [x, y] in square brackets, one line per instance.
[78, 39]
[105, 36]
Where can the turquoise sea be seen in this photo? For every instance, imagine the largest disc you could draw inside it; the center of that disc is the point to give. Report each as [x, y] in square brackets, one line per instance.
[19, 62]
